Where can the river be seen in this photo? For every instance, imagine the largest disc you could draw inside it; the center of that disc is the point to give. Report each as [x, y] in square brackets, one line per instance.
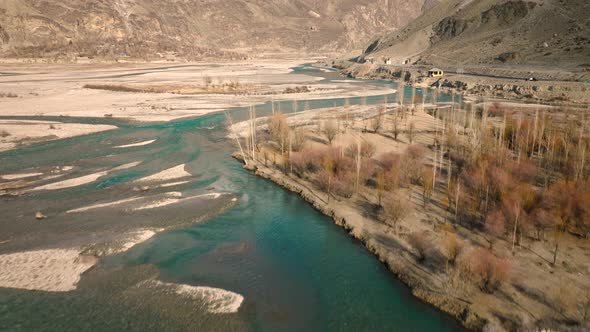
[295, 269]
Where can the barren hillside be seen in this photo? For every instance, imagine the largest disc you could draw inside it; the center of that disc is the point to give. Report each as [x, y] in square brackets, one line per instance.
[474, 32]
[195, 28]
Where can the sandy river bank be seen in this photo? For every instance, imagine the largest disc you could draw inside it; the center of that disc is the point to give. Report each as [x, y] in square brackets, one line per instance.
[62, 91]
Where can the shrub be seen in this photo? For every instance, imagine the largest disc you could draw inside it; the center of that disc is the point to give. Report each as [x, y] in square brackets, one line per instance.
[421, 244]
[324, 180]
[299, 163]
[485, 270]
[298, 139]
[368, 150]
[343, 185]
[525, 170]
[279, 129]
[452, 247]
[395, 208]
[413, 161]
[330, 130]
[495, 223]
[390, 160]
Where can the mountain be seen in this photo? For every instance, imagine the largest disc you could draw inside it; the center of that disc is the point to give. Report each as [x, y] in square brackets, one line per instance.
[479, 32]
[195, 28]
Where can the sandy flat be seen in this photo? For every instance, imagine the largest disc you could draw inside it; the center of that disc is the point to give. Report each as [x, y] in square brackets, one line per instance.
[166, 199]
[103, 205]
[126, 166]
[157, 204]
[19, 176]
[16, 132]
[168, 174]
[75, 182]
[173, 184]
[135, 144]
[216, 300]
[138, 237]
[59, 89]
[52, 270]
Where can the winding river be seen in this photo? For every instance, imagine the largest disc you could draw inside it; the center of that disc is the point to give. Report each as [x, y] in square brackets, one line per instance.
[295, 269]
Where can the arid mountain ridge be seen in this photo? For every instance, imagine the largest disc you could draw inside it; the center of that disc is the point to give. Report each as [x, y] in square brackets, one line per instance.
[195, 28]
[482, 32]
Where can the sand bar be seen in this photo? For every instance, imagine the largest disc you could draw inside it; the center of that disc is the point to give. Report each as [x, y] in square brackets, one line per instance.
[72, 182]
[135, 144]
[216, 300]
[168, 174]
[51, 270]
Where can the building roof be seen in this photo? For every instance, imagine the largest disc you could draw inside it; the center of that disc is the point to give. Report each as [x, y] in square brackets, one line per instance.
[435, 69]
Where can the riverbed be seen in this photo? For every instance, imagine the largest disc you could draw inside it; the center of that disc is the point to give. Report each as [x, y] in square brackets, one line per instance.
[185, 238]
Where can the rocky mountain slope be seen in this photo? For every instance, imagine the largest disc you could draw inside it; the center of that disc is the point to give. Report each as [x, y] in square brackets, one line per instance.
[195, 28]
[455, 33]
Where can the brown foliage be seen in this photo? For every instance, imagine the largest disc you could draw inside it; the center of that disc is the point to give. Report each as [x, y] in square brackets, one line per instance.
[368, 150]
[525, 170]
[452, 247]
[569, 203]
[495, 223]
[395, 208]
[298, 139]
[344, 184]
[330, 130]
[413, 161]
[390, 160]
[421, 244]
[484, 269]
[279, 129]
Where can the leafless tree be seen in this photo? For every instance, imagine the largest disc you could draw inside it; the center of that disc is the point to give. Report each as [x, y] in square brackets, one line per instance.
[411, 132]
[330, 130]
[395, 208]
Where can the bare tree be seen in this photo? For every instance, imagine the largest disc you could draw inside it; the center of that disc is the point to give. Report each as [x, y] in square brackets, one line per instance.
[396, 125]
[330, 130]
[298, 139]
[377, 121]
[427, 186]
[395, 208]
[279, 129]
[411, 132]
[328, 165]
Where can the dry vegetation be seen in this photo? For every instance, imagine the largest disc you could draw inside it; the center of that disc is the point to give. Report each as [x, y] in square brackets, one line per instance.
[207, 87]
[8, 95]
[507, 194]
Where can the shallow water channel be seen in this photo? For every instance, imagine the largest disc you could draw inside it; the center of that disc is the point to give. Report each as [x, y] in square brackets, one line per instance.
[296, 270]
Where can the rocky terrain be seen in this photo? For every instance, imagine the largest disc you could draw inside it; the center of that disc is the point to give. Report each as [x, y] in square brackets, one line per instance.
[193, 29]
[458, 33]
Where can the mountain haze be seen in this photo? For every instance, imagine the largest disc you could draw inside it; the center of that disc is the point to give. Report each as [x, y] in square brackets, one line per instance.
[194, 28]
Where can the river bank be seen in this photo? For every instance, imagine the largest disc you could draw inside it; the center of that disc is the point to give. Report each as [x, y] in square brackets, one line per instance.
[550, 86]
[530, 299]
[378, 239]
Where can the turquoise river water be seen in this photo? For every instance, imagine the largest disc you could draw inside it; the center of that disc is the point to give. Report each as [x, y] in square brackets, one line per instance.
[296, 270]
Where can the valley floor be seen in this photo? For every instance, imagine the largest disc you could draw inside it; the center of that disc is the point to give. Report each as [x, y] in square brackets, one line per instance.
[152, 92]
